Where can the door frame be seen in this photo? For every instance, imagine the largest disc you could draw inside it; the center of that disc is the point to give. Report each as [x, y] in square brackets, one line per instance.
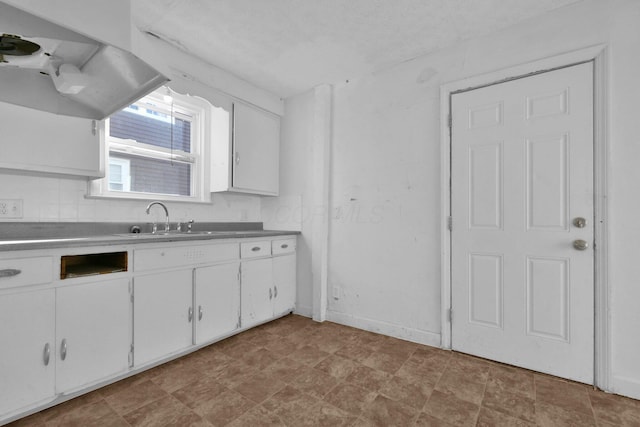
[599, 55]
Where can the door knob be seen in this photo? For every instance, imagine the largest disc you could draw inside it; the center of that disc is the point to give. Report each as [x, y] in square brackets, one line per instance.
[580, 244]
[579, 222]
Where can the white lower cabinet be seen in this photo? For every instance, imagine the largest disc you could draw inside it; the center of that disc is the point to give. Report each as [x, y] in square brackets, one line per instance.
[27, 361]
[268, 284]
[55, 341]
[59, 336]
[163, 314]
[93, 332]
[284, 283]
[217, 301]
[257, 291]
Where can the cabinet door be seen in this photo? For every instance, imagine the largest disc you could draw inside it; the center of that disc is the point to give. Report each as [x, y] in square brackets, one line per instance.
[256, 145]
[217, 296]
[93, 332]
[256, 291]
[284, 283]
[27, 326]
[163, 314]
[57, 144]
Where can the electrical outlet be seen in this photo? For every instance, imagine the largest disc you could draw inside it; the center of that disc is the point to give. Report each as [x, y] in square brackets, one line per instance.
[11, 208]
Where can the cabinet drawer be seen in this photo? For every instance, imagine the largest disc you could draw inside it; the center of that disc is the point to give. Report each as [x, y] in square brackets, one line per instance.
[25, 271]
[171, 257]
[283, 246]
[255, 249]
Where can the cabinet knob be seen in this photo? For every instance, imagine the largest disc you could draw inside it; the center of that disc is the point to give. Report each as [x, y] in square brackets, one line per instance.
[190, 314]
[255, 248]
[63, 349]
[46, 354]
[284, 246]
[200, 312]
[270, 294]
[275, 291]
[237, 158]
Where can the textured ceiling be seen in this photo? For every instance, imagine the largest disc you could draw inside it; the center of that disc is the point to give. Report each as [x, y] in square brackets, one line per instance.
[289, 46]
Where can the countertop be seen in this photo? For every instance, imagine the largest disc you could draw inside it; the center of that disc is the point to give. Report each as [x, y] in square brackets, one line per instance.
[34, 236]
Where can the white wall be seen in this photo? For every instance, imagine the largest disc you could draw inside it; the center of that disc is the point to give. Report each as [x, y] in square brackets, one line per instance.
[52, 199]
[384, 244]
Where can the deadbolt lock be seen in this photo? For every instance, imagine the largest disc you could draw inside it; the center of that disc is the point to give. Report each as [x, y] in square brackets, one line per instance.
[579, 222]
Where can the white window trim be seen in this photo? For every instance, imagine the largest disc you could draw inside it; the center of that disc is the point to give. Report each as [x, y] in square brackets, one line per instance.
[200, 133]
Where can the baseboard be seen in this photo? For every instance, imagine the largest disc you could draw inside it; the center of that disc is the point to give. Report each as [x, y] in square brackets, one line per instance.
[625, 386]
[409, 334]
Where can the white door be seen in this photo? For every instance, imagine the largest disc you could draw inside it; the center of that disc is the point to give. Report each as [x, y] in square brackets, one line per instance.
[27, 349]
[162, 314]
[256, 294]
[522, 177]
[256, 149]
[217, 294]
[284, 283]
[94, 322]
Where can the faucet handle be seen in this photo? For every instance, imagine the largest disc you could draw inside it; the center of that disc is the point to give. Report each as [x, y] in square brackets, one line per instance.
[189, 225]
[179, 226]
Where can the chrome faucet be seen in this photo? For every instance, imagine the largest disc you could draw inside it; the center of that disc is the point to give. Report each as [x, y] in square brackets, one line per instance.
[166, 211]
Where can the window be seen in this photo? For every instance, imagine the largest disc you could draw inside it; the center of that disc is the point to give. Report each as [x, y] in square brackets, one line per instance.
[155, 149]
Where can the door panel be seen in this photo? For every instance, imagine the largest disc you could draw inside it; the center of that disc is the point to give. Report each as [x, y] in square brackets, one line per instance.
[217, 294]
[521, 171]
[161, 308]
[95, 322]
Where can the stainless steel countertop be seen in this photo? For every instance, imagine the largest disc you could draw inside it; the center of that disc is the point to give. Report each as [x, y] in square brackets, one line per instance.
[35, 243]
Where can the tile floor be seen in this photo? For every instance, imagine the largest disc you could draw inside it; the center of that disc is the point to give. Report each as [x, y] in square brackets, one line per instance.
[295, 372]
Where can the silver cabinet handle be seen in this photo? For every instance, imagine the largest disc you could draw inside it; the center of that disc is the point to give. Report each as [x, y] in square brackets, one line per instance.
[270, 294]
[284, 246]
[9, 272]
[275, 291]
[63, 349]
[190, 316]
[237, 158]
[255, 248]
[200, 311]
[46, 354]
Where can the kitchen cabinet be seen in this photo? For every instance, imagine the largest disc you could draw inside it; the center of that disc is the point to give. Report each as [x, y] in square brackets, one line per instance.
[257, 291]
[59, 340]
[284, 283]
[57, 144]
[163, 314]
[93, 332]
[64, 332]
[216, 301]
[268, 284]
[184, 294]
[248, 162]
[27, 361]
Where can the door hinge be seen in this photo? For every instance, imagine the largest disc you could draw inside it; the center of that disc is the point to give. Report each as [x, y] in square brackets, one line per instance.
[450, 223]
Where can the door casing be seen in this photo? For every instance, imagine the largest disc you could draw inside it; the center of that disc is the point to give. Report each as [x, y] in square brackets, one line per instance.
[598, 54]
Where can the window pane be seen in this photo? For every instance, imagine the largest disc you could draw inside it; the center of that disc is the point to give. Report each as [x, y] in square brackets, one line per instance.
[158, 176]
[150, 127]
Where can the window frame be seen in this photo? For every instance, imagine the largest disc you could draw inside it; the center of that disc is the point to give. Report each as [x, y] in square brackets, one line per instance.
[200, 112]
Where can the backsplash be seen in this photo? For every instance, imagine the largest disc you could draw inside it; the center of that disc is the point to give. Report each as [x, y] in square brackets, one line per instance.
[56, 199]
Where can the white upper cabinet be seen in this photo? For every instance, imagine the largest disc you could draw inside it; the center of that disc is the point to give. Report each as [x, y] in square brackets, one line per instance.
[248, 161]
[39, 141]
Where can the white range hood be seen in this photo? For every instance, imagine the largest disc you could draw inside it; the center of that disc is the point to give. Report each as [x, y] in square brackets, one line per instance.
[50, 68]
